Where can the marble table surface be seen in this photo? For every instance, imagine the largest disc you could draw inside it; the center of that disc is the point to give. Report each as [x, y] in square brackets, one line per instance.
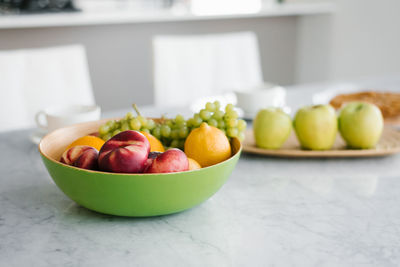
[271, 212]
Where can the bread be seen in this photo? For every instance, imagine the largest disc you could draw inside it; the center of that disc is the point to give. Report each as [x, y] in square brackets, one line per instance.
[388, 102]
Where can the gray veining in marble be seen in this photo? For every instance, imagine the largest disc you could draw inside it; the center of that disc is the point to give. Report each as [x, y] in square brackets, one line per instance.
[271, 212]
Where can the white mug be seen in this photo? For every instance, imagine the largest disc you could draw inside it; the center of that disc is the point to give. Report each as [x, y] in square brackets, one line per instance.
[254, 99]
[56, 117]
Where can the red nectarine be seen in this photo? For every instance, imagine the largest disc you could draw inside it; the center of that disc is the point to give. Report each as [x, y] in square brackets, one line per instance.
[84, 157]
[126, 152]
[172, 160]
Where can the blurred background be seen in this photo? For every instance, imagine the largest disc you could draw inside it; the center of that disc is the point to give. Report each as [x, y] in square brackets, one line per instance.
[126, 43]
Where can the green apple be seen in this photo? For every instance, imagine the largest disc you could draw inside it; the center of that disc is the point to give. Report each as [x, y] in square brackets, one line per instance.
[360, 124]
[316, 127]
[272, 128]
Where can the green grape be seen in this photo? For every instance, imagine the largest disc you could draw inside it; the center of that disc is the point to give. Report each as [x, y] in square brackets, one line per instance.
[241, 136]
[174, 125]
[111, 129]
[143, 121]
[205, 114]
[213, 122]
[129, 115]
[232, 132]
[231, 114]
[165, 131]
[124, 126]
[174, 143]
[156, 132]
[241, 125]
[145, 130]
[232, 123]
[210, 106]
[181, 124]
[135, 124]
[197, 120]
[170, 123]
[104, 129]
[218, 114]
[175, 134]
[116, 132]
[150, 124]
[110, 124]
[183, 132]
[217, 104]
[229, 107]
[221, 124]
[190, 122]
[179, 119]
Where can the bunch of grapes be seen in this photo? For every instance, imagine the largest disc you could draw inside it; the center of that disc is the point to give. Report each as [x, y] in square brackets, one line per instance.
[129, 122]
[173, 132]
[227, 121]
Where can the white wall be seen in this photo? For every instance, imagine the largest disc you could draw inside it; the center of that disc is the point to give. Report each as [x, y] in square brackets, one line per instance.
[120, 56]
[366, 37]
[361, 39]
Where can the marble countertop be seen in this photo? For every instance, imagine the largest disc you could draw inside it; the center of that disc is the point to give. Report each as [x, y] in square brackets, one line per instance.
[271, 212]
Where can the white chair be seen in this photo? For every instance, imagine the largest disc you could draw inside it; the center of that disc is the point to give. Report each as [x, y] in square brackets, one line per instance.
[190, 67]
[34, 79]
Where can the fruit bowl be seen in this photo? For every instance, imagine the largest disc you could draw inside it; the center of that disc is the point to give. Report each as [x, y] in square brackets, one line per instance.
[131, 194]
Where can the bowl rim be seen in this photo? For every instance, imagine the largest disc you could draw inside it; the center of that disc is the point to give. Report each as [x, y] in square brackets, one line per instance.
[239, 150]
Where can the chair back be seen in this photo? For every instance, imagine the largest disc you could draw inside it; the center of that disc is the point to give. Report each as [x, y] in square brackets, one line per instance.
[190, 67]
[33, 79]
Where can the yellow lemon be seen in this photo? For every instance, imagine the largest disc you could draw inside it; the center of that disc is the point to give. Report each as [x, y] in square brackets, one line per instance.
[155, 144]
[193, 165]
[88, 140]
[207, 145]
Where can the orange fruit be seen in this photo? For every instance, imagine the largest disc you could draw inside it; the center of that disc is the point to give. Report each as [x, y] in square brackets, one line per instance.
[193, 165]
[207, 145]
[88, 140]
[155, 144]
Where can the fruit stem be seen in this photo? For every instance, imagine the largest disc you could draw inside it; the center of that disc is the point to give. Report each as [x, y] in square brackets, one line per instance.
[317, 106]
[136, 109]
[359, 107]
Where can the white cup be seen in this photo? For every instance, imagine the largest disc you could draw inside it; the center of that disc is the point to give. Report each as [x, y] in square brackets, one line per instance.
[56, 117]
[254, 99]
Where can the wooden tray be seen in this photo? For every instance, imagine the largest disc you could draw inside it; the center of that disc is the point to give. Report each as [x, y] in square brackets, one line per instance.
[393, 121]
[389, 144]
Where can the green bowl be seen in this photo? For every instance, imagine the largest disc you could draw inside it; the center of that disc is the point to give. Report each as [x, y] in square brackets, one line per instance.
[130, 194]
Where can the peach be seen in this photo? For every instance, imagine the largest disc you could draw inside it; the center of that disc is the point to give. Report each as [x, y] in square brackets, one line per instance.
[126, 152]
[84, 157]
[150, 158]
[172, 160]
